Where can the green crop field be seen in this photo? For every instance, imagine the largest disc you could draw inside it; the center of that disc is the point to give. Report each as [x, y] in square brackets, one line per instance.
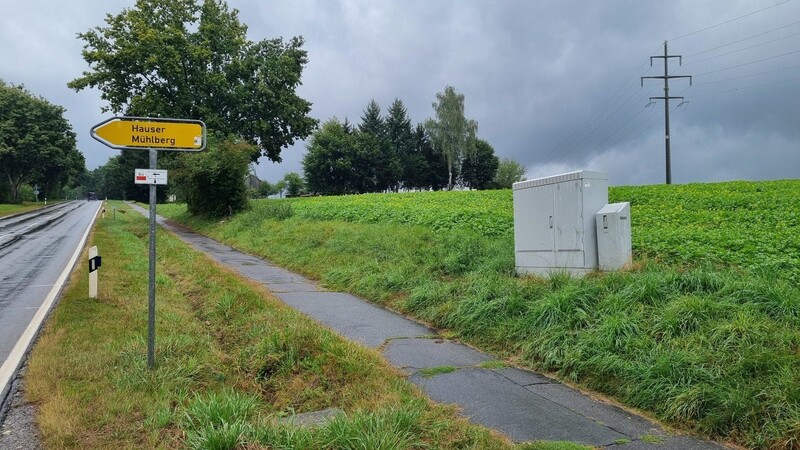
[752, 226]
[489, 213]
[703, 332]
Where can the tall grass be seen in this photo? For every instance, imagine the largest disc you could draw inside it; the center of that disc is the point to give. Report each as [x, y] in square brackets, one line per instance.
[703, 341]
[8, 209]
[231, 362]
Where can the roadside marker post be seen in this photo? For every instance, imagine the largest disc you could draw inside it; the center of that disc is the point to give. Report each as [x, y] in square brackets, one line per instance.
[151, 134]
[95, 262]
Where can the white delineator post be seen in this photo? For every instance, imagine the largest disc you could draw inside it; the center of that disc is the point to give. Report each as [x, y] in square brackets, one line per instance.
[92, 273]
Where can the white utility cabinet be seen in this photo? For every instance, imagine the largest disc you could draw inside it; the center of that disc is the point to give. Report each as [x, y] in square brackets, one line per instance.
[614, 236]
[554, 222]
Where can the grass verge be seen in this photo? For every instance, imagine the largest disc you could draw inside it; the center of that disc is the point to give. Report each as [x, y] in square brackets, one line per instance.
[7, 209]
[705, 347]
[231, 362]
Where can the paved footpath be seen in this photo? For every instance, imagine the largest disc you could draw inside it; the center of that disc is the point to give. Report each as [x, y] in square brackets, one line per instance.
[524, 405]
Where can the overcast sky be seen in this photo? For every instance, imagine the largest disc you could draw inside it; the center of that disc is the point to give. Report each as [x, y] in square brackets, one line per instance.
[553, 84]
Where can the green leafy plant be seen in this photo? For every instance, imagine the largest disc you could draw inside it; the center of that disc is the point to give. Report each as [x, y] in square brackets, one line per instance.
[702, 331]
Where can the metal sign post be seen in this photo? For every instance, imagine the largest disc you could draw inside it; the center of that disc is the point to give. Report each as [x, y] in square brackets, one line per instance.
[151, 284]
[152, 134]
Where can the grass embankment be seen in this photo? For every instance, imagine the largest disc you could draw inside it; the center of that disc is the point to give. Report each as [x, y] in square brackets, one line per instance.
[231, 361]
[7, 209]
[703, 333]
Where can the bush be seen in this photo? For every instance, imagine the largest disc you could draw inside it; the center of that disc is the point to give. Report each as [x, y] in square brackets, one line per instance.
[25, 194]
[212, 183]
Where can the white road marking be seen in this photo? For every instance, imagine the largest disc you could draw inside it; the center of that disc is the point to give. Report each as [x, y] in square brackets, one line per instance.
[21, 347]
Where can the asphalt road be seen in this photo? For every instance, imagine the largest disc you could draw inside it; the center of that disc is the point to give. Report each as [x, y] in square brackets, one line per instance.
[35, 250]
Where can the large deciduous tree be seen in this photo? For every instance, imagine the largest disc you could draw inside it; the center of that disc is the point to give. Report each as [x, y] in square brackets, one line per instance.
[329, 163]
[509, 172]
[36, 142]
[451, 133]
[178, 58]
[294, 184]
[478, 171]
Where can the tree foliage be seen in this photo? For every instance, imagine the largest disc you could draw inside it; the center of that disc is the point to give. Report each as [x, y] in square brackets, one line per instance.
[265, 189]
[179, 58]
[452, 134]
[428, 169]
[375, 139]
[37, 144]
[294, 184]
[341, 160]
[478, 171]
[372, 121]
[509, 172]
[330, 160]
[401, 144]
[212, 182]
[386, 153]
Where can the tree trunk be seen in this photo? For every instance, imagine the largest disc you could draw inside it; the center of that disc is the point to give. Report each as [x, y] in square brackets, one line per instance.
[449, 172]
[14, 188]
[449, 179]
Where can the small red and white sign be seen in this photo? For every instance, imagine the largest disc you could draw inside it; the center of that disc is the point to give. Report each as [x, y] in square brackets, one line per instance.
[150, 176]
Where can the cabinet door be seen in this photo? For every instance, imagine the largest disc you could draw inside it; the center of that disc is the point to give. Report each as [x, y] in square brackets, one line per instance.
[568, 216]
[533, 219]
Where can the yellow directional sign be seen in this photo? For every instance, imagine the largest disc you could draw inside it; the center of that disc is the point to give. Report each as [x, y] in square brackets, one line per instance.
[146, 133]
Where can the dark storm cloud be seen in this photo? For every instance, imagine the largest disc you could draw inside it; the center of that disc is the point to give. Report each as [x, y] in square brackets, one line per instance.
[553, 84]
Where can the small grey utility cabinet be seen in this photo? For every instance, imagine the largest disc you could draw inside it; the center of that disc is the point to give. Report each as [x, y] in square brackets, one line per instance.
[614, 236]
[554, 222]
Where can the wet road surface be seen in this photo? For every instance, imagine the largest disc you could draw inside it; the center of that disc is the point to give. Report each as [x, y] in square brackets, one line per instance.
[35, 249]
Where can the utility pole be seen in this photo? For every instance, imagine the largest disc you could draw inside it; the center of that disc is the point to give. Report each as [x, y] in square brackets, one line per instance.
[666, 99]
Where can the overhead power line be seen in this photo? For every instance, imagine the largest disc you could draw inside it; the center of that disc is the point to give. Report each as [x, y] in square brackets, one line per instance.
[747, 87]
[741, 49]
[588, 123]
[592, 135]
[747, 76]
[645, 125]
[729, 21]
[617, 130]
[612, 120]
[743, 39]
[748, 63]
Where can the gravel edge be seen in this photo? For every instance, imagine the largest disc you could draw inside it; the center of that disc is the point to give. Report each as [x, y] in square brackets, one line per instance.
[18, 428]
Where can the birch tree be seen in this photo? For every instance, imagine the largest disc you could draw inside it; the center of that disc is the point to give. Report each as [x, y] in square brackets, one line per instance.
[452, 134]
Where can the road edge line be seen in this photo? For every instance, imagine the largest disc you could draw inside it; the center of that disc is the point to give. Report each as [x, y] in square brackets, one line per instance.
[20, 349]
